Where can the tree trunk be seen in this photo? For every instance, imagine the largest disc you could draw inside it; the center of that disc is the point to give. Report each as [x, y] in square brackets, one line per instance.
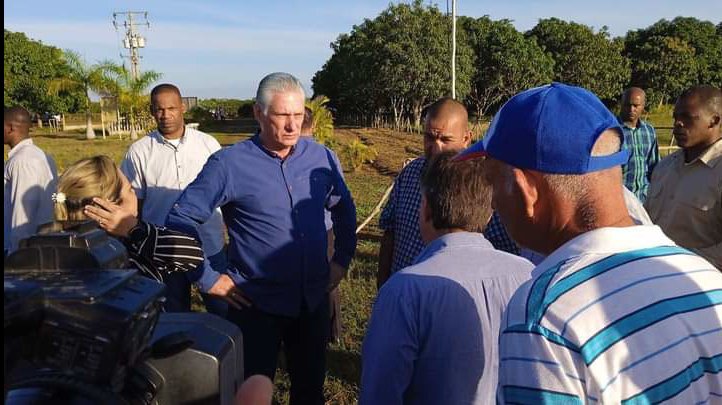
[133, 132]
[89, 132]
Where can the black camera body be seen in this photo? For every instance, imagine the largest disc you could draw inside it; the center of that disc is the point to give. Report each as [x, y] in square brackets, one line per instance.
[100, 333]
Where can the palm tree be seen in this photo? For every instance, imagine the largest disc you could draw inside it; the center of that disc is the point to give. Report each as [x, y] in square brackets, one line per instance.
[81, 77]
[322, 120]
[131, 91]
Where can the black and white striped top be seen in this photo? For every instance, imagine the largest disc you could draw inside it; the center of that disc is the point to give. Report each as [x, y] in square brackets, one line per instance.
[164, 251]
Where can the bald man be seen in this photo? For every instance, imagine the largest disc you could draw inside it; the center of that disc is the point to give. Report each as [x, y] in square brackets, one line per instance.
[640, 140]
[30, 180]
[446, 128]
[685, 197]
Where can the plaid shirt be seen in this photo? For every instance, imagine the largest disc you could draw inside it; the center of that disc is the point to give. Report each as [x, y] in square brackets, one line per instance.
[641, 142]
[401, 215]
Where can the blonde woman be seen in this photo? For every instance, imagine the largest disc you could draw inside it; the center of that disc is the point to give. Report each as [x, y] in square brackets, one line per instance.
[94, 188]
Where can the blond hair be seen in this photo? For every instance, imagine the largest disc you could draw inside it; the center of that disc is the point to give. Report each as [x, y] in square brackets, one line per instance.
[85, 179]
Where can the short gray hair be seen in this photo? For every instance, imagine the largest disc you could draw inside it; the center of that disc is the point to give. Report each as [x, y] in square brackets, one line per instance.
[277, 82]
[576, 187]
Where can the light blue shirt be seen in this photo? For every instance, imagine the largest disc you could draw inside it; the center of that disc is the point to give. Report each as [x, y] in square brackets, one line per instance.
[433, 334]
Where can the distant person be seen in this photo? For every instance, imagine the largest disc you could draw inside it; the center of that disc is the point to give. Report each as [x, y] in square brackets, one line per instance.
[433, 333]
[273, 189]
[94, 188]
[616, 313]
[446, 128]
[160, 166]
[307, 129]
[640, 140]
[30, 177]
[685, 197]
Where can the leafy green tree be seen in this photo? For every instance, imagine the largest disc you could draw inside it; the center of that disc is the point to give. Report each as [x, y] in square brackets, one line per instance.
[132, 92]
[583, 57]
[702, 36]
[667, 66]
[506, 62]
[28, 68]
[230, 106]
[84, 78]
[397, 63]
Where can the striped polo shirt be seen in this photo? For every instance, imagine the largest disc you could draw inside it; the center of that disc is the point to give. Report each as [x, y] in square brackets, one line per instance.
[616, 315]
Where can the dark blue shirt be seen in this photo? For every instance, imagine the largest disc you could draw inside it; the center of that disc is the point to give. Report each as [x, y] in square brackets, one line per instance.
[274, 211]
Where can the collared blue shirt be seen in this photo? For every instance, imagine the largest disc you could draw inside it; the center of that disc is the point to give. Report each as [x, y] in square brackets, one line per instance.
[641, 142]
[433, 333]
[274, 211]
[401, 216]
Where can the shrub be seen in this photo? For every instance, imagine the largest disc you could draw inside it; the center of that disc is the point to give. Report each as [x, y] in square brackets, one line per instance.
[357, 153]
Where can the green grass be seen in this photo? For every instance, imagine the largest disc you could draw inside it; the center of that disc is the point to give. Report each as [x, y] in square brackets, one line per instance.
[359, 288]
[367, 186]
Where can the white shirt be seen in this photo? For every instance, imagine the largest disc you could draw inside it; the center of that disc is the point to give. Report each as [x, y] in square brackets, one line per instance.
[615, 314]
[30, 179]
[159, 172]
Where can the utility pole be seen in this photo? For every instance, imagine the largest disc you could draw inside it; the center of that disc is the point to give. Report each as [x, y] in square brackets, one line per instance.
[133, 41]
[453, 49]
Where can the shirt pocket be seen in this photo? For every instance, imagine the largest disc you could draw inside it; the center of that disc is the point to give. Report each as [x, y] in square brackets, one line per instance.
[701, 206]
[318, 184]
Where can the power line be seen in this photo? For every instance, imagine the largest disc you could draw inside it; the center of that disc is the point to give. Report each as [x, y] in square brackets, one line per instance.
[133, 41]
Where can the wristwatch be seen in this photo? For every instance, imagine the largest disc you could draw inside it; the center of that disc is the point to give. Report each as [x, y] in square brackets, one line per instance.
[139, 233]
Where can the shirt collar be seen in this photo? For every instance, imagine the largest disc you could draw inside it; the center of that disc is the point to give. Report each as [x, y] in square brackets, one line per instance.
[712, 156]
[456, 239]
[640, 122]
[24, 142]
[608, 240]
[161, 139]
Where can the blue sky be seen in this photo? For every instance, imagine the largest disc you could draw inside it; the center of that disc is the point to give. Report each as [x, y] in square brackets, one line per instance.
[223, 48]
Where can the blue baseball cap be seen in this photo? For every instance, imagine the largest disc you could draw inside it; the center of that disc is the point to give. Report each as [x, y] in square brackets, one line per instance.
[550, 129]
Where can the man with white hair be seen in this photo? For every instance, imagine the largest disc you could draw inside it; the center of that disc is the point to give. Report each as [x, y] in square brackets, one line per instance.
[617, 312]
[273, 189]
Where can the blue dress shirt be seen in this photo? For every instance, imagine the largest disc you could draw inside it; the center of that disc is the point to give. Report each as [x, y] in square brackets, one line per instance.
[433, 334]
[274, 211]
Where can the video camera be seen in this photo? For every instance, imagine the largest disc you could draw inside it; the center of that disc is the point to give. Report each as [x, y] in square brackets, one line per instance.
[77, 330]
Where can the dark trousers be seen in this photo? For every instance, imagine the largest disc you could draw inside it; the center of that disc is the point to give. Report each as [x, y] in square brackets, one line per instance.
[304, 342]
[178, 290]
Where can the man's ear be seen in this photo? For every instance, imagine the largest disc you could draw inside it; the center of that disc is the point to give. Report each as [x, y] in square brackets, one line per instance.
[528, 183]
[467, 138]
[257, 113]
[714, 121]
